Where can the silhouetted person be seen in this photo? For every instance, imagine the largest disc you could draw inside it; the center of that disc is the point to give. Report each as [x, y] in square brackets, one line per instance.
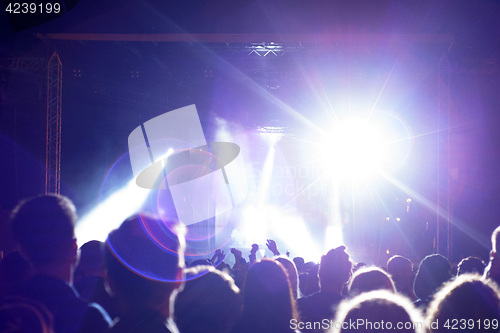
[434, 270]
[401, 271]
[308, 279]
[299, 263]
[291, 270]
[370, 278]
[143, 273]
[468, 303]
[358, 266]
[252, 257]
[209, 301]
[492, 271]
[268, 303]
[378, 311]
[89, 277]
[471, 265]
[239, 269]
[44, 229]
[335, 270]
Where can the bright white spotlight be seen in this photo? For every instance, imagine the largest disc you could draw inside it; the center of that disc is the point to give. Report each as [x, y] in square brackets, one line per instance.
[254, 225]
[110, 213]
[265, 221]
[354, 149]
[333, 237]
[293, 232]
[267, 173]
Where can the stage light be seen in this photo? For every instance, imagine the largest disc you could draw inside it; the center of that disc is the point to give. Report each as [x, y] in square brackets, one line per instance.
[110, 213]
[333, 237]
[358, 148]
[254, 219]
[253, 227]
[260, 223]
[267, 173]
[295, 236]
[264, 49]
[354, 149]
[272, 134]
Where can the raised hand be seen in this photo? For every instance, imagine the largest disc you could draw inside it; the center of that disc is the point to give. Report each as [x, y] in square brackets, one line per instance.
[237, 253]
[271, 245]
[220, 255]
[253, 251]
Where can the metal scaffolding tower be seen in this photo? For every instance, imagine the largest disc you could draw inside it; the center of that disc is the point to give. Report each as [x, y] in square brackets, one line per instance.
[22, 63]
[54, 108]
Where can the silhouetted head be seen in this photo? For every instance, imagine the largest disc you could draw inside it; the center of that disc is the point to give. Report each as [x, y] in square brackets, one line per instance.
[144, 260]
[492, 271]
[358, 266]
[378, 311]
[44, 228]
[291, 270]
[369, 279]
[401, 271]
[471, 265]
[299, 263]
[223, 267]
[91, 262]
[208, 302]
[467, 297]
[309, 281]
[309, 266]
[201, 262]
[268, 303]
[335, 269]
[433, 271]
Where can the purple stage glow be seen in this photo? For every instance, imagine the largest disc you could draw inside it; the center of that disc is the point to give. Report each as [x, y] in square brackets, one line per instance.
[279, 187]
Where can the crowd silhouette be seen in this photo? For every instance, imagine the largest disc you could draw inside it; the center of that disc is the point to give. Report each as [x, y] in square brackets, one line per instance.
[140, 284]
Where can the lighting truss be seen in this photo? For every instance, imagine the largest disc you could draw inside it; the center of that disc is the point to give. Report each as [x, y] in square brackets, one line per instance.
[265, 49]
[54, 108]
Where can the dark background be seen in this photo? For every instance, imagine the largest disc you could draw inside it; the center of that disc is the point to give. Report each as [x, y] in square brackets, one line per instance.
[109, 87]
